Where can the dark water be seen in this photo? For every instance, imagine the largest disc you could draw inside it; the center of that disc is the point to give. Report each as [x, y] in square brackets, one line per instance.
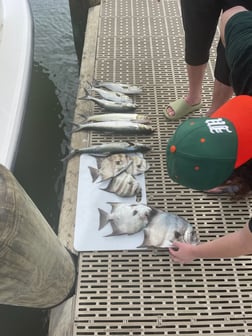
[45, 136]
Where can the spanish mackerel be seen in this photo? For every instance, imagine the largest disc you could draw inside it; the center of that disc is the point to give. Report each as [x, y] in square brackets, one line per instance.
[109, 149]
[117, 97]
[116, 116]
[118, 87]
[122, 126]
[110, 105]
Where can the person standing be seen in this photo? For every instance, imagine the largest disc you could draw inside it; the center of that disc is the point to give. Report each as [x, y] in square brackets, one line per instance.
[200, 20]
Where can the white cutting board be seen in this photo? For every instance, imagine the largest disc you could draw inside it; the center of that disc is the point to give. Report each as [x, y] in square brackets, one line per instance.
[87, 237]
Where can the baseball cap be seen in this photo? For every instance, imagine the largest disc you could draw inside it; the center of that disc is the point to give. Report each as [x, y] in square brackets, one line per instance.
[202, 153]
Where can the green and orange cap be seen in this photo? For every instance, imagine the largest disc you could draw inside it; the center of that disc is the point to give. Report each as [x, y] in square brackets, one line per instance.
[204, 152]
[197, 157]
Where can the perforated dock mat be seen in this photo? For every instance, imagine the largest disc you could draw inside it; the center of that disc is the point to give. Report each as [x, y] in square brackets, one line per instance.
[143, 292]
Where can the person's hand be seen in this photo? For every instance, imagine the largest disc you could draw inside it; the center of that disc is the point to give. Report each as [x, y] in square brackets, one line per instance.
[182, 253]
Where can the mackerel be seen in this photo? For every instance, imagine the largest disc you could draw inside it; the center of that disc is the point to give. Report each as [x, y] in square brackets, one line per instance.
[116, 116]
[121, 126]
[117, 97]
[110, 105]
[109, 149]
[118, 87]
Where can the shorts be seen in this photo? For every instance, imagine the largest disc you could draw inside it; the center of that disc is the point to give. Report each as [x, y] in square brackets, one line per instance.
[238, 37]
[200, 19]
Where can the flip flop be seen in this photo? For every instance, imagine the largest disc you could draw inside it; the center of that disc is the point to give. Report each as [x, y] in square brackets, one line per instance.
[181, 109]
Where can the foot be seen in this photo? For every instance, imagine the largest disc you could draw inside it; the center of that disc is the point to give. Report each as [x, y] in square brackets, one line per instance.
[180, 108]
[170, 112]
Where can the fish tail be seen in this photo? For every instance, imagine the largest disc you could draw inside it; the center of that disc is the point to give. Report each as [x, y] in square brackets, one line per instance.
[71, 154]
[103, 218]
[89, 84]
[115, 231]
[95, 83]
[86, 95]
[94, 173]
[83, 116]
[77, 127]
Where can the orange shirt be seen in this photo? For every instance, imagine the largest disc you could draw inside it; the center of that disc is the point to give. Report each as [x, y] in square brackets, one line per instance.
[238, 110]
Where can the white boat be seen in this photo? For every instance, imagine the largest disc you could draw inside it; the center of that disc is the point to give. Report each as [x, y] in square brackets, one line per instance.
[16, 55]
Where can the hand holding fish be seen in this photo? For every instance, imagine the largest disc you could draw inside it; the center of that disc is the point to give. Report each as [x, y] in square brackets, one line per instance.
[182, 253]
[234, 244]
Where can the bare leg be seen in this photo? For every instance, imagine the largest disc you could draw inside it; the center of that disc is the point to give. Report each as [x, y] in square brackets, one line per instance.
[195, 77]
[221, 94]
[226, 16]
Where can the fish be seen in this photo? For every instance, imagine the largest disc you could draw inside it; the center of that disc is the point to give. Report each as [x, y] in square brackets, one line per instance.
[124, 185]
[120, 126]
[118, 87]
[107, 149]
[117, 97]
[124, 218]
[139, 165]
[164, 228]
[110, 105]
[110, 166]
[116, 116]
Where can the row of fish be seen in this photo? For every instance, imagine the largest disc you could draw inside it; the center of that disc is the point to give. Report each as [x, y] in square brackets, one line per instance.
[121, 169]
[160, 228]
[114, 100]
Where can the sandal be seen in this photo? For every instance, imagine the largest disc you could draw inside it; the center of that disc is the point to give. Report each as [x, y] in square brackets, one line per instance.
[181, 108]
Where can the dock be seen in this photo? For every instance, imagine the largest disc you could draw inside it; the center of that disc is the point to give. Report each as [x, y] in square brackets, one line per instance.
[141, 292]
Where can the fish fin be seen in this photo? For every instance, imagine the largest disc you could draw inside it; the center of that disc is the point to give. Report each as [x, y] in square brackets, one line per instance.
[99, 162]
[124, 169]
[146, 242]
[113, 204]
[104, 218]
[107, 188]
[94, 173]
[115, 231]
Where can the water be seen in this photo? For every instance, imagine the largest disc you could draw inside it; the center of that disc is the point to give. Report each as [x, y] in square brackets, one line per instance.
[45, 137]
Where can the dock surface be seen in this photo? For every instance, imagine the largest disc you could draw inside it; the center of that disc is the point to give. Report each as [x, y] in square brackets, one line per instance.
[141, 292]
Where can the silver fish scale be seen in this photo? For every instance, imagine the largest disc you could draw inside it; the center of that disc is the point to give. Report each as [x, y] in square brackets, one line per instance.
[141, 292]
